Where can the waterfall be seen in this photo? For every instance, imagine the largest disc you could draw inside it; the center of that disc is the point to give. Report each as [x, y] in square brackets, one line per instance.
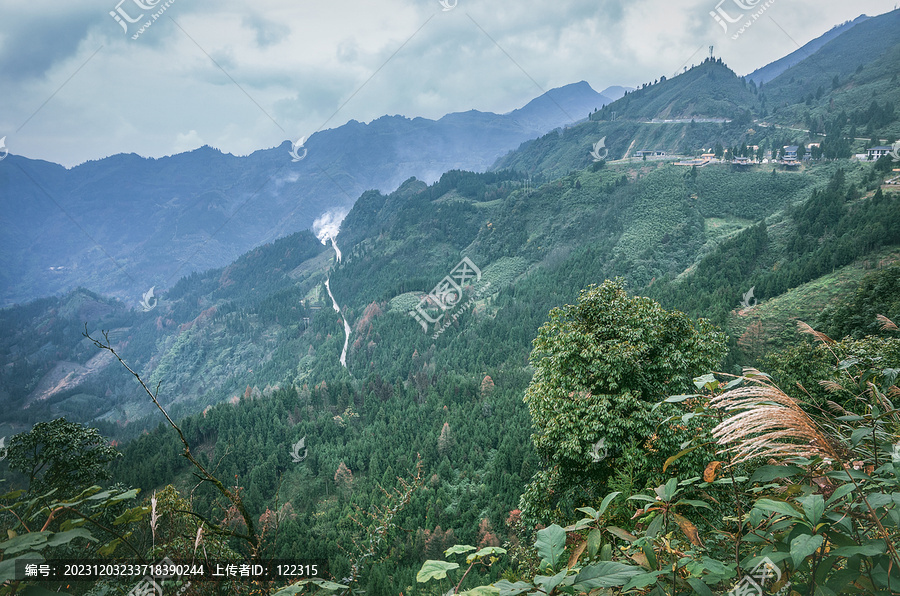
[337, 308]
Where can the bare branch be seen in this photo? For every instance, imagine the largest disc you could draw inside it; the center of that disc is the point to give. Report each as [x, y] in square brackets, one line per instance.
[251, 536]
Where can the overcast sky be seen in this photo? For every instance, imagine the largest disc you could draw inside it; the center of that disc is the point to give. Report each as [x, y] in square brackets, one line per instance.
[243, 76]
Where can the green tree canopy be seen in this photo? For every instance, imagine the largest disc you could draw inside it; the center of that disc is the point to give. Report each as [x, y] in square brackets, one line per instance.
[60, 454]
[600, 367]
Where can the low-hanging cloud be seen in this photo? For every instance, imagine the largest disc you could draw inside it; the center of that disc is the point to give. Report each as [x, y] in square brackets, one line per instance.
[328, 224]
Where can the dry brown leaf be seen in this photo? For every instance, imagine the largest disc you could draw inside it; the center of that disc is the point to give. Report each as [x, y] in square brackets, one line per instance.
[641, 559]
[711, 471]
[576, 554]
[689, 529]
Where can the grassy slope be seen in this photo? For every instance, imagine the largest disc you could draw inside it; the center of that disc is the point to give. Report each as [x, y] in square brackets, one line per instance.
[772, 324]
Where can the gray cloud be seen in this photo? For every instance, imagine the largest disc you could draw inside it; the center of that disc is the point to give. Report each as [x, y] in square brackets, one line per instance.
[300, 62]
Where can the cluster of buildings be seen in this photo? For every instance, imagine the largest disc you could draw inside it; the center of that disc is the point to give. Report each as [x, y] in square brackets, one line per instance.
[791, 156]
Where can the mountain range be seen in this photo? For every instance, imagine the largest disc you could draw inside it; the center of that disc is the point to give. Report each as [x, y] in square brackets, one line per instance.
[124, 224]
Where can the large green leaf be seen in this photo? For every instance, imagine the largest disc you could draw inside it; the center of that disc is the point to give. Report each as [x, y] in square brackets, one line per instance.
[699, 587]
[866, 550]
[594, 541]
[31, 540]
[481, 591]
[803, 546]
[66, 537]
[434, 570]
[548, 583]
[718, 569]
[550, 544]
[589, 511]
[643, 580]
[132, 515]
[778, 507]
[655, 526]
[508, 589]
[767, 473]
[813, 507]
[458, 548]
[693, 503]
[707, 381]
[607, 500]
[840, 493]
[606, 574]
[488, 550]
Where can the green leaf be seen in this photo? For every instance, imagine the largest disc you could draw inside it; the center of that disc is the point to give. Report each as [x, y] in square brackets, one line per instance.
[488, 550]
[508, 589]
[547, 584]
[708, 380]
[550, 544]
[589, 511]
[434, 570]
[594, 540]
[647, 549]
[699, 587]
[674, 399]
[643, 580]
[669, 490]
[867, 550]
[31, 540]
[581, 524]
[606, 574]
[126, 495]
[778, 507]
[655, 526]
[840, 493]
[481, 591]
[734, 383]
[607, 500]
[768, 473]
[693, 503]
[458, 548]
[858, 435]
[843, 474]
[109, 548]
[132, 515]
[803, 546]
[717, 568]
[60, 538]
[813, 507]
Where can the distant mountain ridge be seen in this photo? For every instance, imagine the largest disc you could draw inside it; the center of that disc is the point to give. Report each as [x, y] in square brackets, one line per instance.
[772, 70]
[125, 223]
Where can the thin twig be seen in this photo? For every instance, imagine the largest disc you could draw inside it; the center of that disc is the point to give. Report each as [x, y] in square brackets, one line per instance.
[251, 536]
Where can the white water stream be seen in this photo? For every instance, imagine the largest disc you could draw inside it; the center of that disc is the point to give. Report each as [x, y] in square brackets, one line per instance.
[337, 308]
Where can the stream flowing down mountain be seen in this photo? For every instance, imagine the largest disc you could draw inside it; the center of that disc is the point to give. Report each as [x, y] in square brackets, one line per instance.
[337, 308]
